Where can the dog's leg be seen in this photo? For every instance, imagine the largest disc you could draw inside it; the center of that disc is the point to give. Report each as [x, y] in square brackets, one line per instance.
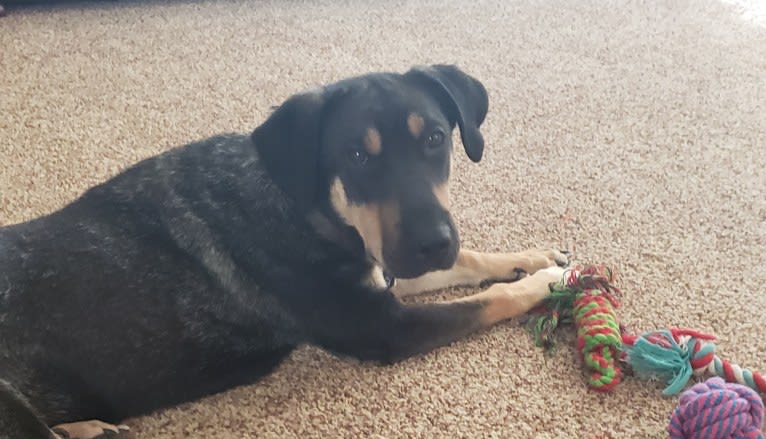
[379, 327]
[88, 430]
[474, 268]
[17, 417]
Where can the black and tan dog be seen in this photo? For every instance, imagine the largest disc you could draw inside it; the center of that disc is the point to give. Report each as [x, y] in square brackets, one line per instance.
[202, 268]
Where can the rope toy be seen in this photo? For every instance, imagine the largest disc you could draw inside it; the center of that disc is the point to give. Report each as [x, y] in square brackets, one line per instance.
[676, 355]
[717, 410]
[714, 410]
[587, 297]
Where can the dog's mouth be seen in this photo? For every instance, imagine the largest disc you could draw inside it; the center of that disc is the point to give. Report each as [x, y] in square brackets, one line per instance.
[411, 269]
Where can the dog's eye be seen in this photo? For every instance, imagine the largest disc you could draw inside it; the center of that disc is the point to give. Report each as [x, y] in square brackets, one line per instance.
[358, 157]
[435, 139]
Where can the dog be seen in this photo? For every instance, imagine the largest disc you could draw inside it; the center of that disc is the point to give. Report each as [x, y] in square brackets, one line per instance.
[202, 268]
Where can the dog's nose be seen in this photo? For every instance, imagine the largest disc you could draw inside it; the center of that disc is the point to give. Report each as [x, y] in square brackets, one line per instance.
[436, 245]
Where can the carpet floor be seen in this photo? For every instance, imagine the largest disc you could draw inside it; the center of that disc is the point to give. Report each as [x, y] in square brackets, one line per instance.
[633, 132]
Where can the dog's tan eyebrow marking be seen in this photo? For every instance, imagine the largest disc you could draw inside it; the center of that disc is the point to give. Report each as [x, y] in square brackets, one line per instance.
[372, 142]
[416, 123]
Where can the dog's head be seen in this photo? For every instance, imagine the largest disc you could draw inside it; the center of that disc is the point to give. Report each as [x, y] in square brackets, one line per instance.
[375, 152]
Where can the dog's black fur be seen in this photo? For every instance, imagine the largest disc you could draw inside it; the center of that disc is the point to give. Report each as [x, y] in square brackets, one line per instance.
[200, 269]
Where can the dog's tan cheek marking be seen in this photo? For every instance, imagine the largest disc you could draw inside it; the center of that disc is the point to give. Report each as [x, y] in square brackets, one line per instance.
[372, 142]
[415, 123]
[441, 192]
[369, 226]
[364, 218]
[389, 224]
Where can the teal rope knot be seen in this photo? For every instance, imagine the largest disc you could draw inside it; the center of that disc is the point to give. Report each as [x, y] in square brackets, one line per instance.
[658, 355]
[673, 356]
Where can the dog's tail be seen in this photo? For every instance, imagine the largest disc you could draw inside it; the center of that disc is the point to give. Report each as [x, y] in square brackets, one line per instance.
[18, 418]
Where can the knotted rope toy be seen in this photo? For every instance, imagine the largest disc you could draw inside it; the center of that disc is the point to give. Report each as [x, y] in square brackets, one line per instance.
[717, 410]
[675, 355]
[586, 297]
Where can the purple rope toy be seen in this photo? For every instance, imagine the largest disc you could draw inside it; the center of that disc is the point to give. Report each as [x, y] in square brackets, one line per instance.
[717, 410]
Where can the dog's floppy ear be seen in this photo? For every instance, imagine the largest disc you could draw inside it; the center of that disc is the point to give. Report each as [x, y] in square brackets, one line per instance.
[288, 144]
[464, 100]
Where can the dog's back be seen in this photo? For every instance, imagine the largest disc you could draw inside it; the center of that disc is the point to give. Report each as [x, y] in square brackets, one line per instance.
[81, 287]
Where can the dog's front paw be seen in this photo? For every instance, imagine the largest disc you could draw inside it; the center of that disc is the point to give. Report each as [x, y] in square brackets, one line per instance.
[532, 261]
[540, 282]
[511, 267]
[89, 430]
[518, 298]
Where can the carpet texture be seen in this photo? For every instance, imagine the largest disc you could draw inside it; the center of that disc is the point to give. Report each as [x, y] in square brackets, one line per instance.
[631, 132]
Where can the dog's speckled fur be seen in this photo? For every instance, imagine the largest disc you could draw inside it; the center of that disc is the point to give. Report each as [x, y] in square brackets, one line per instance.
[200, 269]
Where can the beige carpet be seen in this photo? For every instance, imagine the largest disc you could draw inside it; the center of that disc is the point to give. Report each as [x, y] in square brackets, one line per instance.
[643, 123]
